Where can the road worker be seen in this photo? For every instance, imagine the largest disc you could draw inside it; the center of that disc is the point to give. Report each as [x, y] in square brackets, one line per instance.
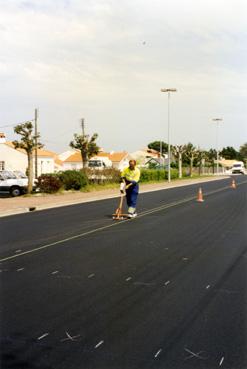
[130, 177]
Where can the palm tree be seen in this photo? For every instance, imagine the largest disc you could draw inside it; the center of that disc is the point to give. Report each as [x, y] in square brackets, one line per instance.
[87, 146]
[28, 142]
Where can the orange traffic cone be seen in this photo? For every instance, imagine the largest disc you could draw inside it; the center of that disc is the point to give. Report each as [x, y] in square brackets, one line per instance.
[199, 196]
[233, 185]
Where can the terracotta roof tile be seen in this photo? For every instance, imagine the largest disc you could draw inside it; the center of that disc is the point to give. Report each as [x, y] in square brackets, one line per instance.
[76, 157]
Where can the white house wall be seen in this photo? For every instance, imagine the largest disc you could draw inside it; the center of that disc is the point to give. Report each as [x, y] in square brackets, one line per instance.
[72, 166]
[16, 160]
[13, 159]
[45, 165]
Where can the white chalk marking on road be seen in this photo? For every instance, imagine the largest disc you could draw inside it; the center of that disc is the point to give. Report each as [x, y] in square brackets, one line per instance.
[55, 272]
[91, 275]
[20, 269]
[147, 212]
[99, 344]
[208, 286]
[157, 353]
[194, 354]
[221, 361]
[185, 259]
[167, 282]
[17, 251]
[70, 338]
[128, 279]
[43, 336]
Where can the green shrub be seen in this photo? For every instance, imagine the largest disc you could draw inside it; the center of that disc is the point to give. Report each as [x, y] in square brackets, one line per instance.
[73, 179]
[48, 183]
[148, 175]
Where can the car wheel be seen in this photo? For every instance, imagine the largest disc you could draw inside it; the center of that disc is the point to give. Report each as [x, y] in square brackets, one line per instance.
[15, 191]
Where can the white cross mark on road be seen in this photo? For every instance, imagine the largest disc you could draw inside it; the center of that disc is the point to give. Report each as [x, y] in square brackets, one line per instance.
[194, 354]
[69, 337]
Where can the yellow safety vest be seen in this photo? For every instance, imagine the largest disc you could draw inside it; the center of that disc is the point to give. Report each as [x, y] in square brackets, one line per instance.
[131, 175]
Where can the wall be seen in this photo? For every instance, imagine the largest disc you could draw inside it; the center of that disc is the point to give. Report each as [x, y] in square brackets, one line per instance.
[14, 159]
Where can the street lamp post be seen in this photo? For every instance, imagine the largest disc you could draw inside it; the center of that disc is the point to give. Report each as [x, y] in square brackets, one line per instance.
[217, 121]
[169, 90]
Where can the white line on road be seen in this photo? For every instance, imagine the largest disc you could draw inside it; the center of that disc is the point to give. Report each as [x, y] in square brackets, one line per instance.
[43, 336]
[55, 272]
[208, 286]
[128, 279]
[99, 344]
[167, 282]
[157, 353]
[20, 270]
[221, 361]
[91, 275]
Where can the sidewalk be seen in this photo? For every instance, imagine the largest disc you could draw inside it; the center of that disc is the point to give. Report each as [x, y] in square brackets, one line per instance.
[18, 205]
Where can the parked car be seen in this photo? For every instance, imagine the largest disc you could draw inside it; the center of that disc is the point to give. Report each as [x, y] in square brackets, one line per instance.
[14, 183]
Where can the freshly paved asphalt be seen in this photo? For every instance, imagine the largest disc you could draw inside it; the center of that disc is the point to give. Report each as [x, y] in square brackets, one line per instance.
[165, 290]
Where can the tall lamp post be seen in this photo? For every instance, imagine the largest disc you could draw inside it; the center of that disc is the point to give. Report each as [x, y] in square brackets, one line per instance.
[217, 121]
[169, 90]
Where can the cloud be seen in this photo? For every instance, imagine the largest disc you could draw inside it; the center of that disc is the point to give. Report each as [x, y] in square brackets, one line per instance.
[99, 54]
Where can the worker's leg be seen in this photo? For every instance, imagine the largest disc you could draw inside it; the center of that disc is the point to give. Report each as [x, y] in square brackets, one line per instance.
[131, 196]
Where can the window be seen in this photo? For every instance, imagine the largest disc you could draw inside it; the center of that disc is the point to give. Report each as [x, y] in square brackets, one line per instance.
[2, 165]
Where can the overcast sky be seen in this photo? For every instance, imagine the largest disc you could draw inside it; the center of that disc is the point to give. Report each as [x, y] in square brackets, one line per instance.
[106, 61]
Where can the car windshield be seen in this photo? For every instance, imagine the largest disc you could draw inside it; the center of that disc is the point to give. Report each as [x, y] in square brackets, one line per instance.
[5, 174]
[94, 163]
[19, 174]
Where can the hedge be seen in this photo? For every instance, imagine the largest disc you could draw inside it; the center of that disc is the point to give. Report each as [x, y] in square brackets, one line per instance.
[148, 175]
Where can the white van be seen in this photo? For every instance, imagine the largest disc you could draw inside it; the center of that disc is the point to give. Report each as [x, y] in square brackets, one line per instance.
[14, 183]
[238, 168]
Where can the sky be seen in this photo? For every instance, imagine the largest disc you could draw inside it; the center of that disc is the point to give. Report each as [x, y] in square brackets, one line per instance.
[106, 61]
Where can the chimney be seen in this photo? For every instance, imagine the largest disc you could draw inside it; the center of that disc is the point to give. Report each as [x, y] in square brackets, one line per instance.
[2, 137]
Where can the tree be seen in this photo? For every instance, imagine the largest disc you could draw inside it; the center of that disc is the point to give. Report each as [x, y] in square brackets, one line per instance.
[230, 153]
[210, 157]
[155, 145]
[86, 145]
[28, 142]
[201, 158]
[178, 152]
[191, 153]
[243, 151]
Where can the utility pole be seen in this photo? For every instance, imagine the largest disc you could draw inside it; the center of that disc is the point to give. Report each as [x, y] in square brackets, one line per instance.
[36, 143]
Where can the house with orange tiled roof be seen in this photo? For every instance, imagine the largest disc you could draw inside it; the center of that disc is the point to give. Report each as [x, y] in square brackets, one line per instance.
[73, 161]
[117, 160]
[16, 159]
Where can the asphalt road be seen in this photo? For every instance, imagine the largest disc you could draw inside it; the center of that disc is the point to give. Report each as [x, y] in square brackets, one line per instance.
[164, 290]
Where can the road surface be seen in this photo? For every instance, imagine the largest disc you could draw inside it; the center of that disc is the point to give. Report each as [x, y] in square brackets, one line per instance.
[164, 290]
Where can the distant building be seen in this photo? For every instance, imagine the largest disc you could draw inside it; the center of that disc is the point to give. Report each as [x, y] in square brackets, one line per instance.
[16, 159]
[146, 156]
[117, 160]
